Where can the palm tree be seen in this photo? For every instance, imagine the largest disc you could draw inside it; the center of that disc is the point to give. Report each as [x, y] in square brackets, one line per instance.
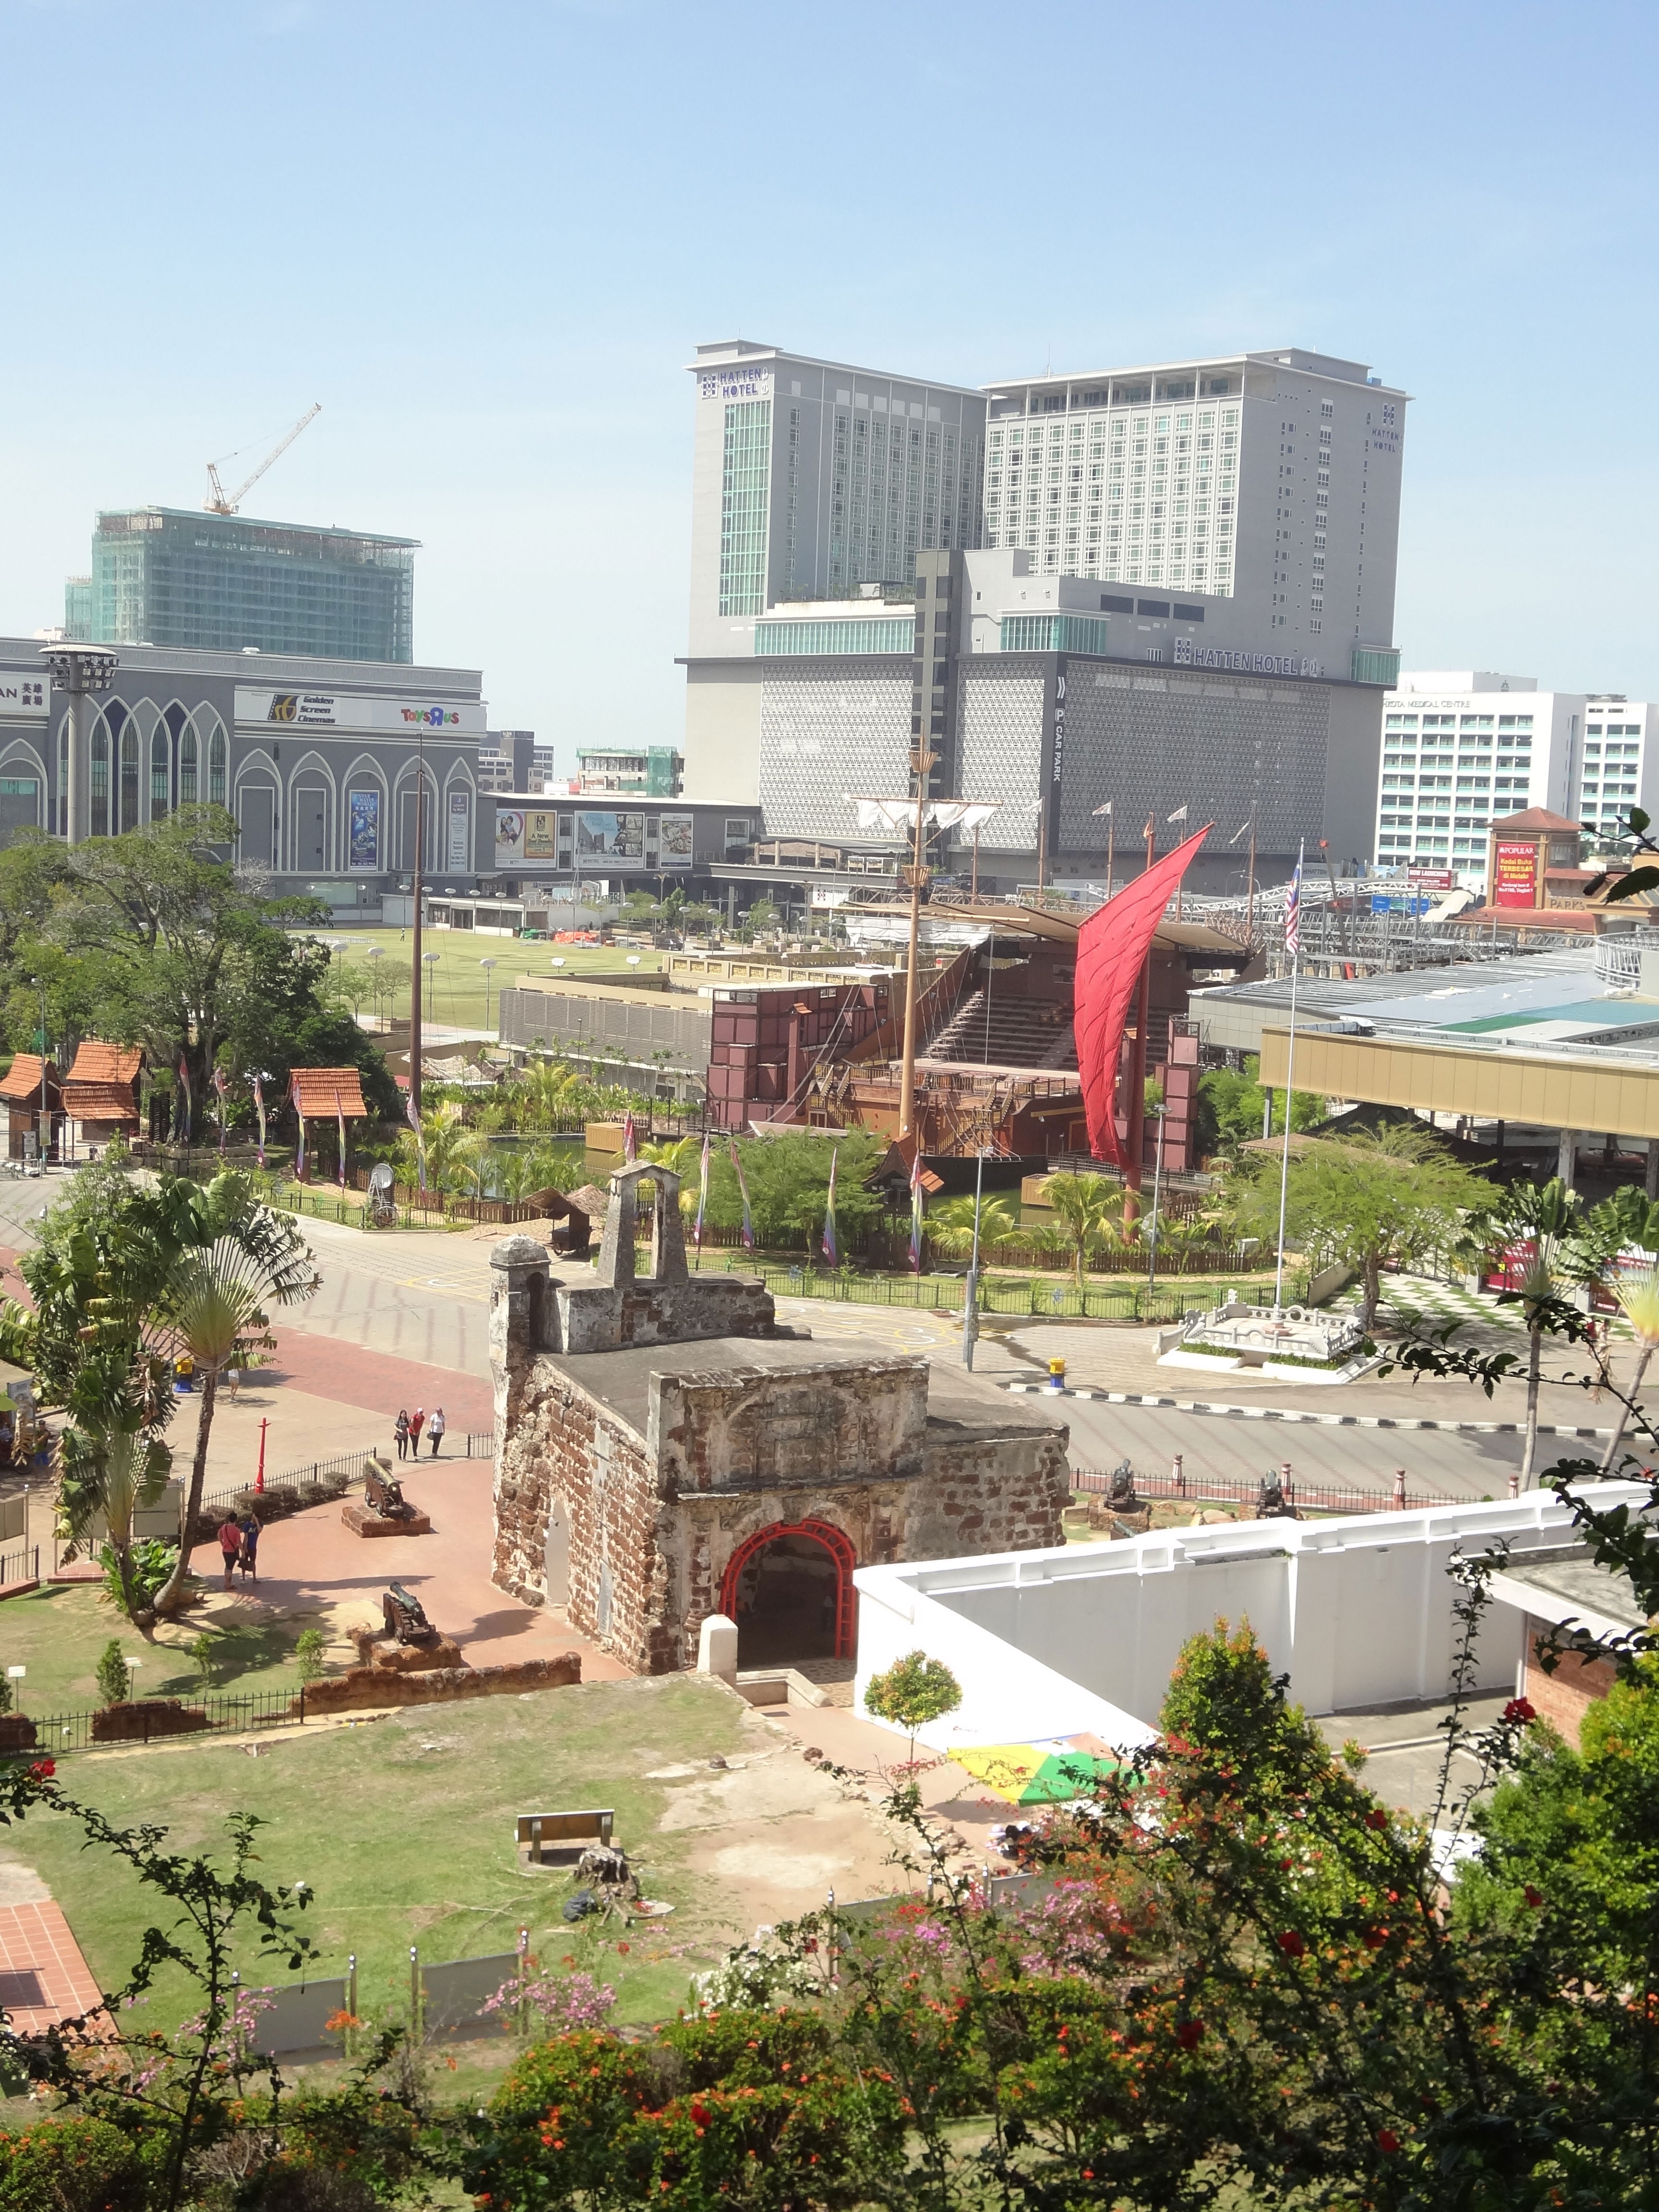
[114, 1461]
[245, 1258]
[951, 1223]
[1545, 1218]
[449, 1146]
[1638, 1296]
[1088, 1209]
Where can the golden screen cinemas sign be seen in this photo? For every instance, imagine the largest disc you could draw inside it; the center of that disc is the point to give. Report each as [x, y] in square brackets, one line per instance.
[346, 710]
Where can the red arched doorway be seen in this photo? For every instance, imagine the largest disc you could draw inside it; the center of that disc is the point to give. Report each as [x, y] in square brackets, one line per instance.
[789, 1588]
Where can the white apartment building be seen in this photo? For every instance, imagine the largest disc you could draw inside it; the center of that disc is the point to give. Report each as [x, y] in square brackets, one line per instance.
[1616, 770]
[1272, 478]
[810, 477]
[1463, 747]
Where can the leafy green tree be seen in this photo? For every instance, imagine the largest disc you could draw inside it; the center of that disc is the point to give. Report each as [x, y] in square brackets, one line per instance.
[114, 1678]
[1232, 1108]
[788, 1180]
[913, 1690]
[1370, 1200]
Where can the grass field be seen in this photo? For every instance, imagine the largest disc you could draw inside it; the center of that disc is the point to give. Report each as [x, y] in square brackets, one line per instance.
[454, 993]
[57, 1634]
[404, 1827]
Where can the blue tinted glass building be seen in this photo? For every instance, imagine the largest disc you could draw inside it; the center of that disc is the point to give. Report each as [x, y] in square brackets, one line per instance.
[214, 583]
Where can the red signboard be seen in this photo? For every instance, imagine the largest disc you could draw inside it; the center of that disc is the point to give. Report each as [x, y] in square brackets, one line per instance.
[1516, 876]
[1431, 879]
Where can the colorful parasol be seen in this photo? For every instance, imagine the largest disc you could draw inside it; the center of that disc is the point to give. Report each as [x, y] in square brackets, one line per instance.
[1029, 1774]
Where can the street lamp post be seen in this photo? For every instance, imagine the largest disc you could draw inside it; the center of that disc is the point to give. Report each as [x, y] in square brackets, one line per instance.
[415, 952]
[487, 965]
[81, 671]
[971, 1311]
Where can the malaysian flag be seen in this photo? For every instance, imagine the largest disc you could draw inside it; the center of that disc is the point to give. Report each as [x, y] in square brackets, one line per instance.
[1293, 916]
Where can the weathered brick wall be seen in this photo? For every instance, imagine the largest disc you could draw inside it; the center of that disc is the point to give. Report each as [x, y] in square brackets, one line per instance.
[845, 1420]
[1563, 1697]
[565, 1444]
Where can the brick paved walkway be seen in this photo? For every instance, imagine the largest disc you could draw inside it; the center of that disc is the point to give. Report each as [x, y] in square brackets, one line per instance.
[42, 1977]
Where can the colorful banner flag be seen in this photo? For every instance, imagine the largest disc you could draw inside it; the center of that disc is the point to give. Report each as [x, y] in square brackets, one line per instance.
[918, 1199]
[183, 1100]
[412, 1115]
[219, 1086]
[1293, 916]
[300, 1152]
[702, 1196]
[259, 1109]
[831, 1248]
[630, 1141]
[743, 1192]
[340, 1114]
[1112, 947]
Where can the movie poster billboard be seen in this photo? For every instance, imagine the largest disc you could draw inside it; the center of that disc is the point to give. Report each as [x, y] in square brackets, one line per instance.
[541, 834]
[674, 842]
[363, 829]
[611, 836]
[509, 836]
[459, 854]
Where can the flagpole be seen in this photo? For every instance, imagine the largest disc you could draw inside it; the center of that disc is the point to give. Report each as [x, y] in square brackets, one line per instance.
[921, 760]
[1289, 1080]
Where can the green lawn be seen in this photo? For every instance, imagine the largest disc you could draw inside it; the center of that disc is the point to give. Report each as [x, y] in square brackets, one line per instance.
[454, 994]
[57, 1634]
[404, 1827]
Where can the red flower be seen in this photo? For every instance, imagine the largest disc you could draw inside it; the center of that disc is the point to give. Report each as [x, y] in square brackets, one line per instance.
[1378, 1818]
[699, 2112]
[1190, 2034]
[1376, 1938]
[44, 1769]
[625, 1947]
[1291, 1944]
[1387, 2140]
[1532, 1896]
[1519, 1711]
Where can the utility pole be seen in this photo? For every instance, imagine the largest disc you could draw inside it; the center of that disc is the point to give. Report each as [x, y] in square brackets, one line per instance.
[920, 761]
[414, 961]
[1111, 844]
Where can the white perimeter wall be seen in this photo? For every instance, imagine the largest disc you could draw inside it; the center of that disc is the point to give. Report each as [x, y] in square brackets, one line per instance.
[1356, 1611]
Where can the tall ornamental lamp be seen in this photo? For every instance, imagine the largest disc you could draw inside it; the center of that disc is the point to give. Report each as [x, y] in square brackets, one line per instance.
[81, 671]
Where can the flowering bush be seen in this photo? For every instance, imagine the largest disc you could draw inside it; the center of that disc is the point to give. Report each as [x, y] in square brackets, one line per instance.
[74, 2164]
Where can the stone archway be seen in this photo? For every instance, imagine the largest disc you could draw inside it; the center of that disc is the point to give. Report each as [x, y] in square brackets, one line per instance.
[789, 1588]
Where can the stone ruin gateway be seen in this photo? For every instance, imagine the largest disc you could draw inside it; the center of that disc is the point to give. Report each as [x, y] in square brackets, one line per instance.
[667, 1450]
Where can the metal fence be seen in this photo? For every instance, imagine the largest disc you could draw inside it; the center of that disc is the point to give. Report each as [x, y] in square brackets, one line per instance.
[347, 1466]
[155, 1720]
[1139, 1301]
[19, 1565]
[1321, 1497]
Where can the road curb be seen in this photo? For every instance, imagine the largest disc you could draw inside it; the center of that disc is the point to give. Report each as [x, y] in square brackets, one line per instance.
[1296, 1414]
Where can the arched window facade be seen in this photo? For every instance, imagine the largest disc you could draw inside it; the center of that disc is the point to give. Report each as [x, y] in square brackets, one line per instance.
[130, 777]
[189, 776]
[218, 753]
[62, 777]
[101, 743]
[161, 774]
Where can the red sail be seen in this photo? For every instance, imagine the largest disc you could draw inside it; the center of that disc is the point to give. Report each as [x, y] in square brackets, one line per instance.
[1112, 946]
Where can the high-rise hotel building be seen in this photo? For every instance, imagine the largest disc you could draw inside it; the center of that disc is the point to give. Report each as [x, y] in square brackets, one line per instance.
[1268, 478]
[1157, 587]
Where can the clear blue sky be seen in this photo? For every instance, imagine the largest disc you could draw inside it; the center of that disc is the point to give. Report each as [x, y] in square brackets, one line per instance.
[488, 236]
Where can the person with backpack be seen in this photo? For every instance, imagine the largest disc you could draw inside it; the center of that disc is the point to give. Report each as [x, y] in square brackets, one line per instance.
[230, 1543]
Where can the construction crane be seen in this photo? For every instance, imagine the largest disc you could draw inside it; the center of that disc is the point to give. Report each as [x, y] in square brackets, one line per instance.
[217, 503]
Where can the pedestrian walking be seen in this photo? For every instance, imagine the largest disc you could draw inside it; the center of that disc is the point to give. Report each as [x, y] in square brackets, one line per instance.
[416, 1422]
[434, 1429]
[400, 1430]
[233, 1377]
[230, 1543]
[248, 1557]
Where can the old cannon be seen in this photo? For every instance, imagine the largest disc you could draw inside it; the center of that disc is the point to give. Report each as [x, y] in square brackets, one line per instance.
[405, 1617]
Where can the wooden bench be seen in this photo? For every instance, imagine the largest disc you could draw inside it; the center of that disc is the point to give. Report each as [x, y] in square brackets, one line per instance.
[546, 1839]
